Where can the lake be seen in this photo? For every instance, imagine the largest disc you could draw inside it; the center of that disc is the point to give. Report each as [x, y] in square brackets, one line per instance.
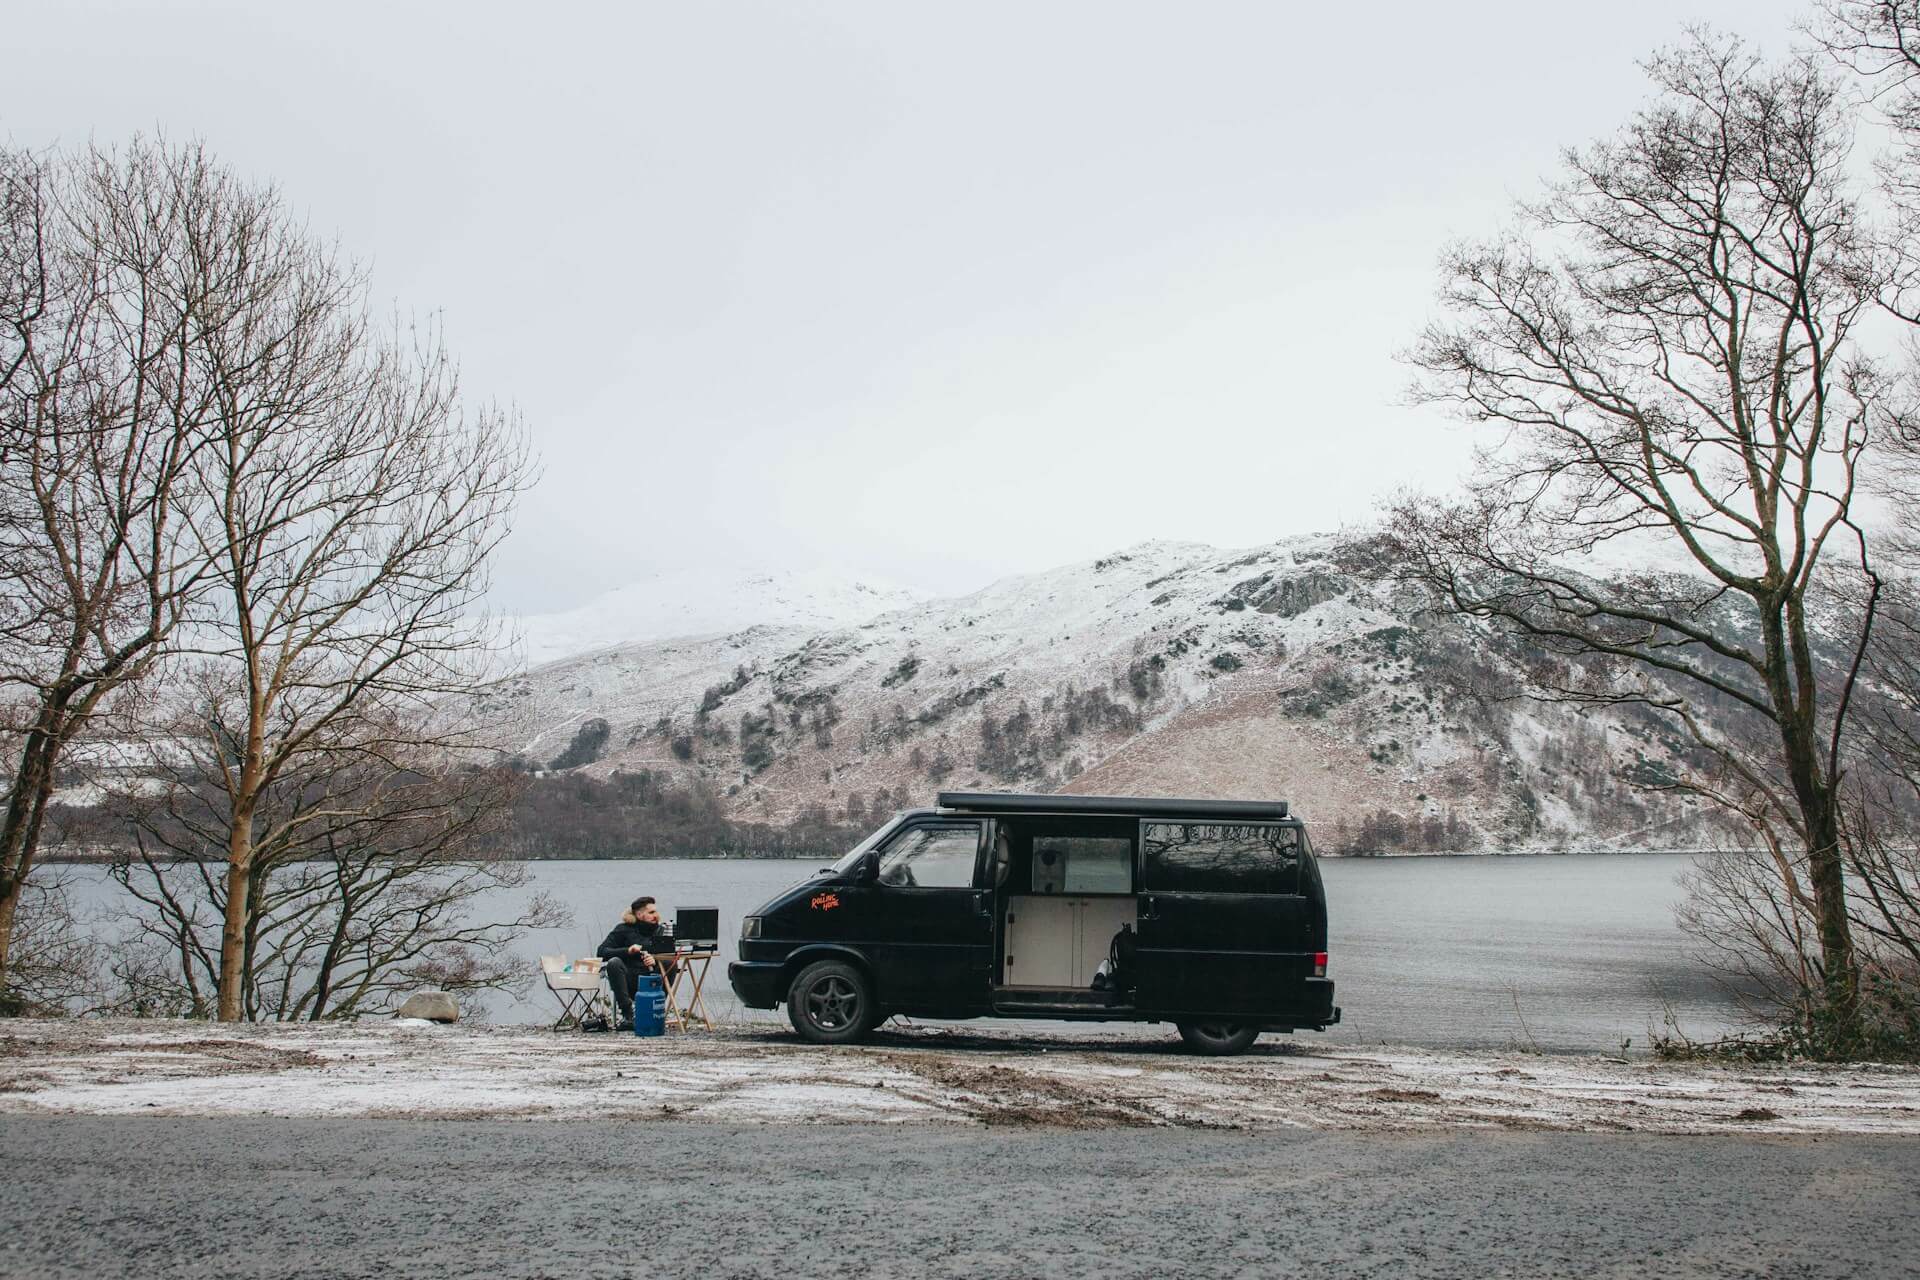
[1577, 953]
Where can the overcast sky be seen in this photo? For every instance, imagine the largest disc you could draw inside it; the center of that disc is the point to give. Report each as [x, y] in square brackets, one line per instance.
[932, 293]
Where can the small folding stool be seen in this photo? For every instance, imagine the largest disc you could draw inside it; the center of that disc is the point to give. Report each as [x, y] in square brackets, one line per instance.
[576, 987]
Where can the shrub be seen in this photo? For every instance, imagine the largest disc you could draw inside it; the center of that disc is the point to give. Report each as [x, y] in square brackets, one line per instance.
[756, 741]
[1143, 677]
[588, 741]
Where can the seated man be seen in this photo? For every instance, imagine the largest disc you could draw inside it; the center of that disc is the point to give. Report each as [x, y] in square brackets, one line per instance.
[630, 951]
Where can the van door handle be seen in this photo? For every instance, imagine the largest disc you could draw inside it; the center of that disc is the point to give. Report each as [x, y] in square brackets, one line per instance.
[1149, 909]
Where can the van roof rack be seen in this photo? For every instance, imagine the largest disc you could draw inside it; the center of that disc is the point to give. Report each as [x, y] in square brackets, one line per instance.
[1141, 806]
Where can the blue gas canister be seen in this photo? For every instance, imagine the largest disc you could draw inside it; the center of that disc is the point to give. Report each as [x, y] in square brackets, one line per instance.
[650, 1006]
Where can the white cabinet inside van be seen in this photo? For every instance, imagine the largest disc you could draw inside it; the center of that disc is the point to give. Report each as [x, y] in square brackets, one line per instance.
[1058, 941]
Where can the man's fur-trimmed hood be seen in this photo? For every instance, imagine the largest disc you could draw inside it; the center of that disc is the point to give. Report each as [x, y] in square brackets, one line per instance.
[627, 917]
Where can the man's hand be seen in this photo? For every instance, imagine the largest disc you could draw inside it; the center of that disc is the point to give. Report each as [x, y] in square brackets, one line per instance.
[635, 949]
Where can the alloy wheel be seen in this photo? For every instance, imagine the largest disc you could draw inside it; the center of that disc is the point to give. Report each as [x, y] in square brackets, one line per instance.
[832, 1003]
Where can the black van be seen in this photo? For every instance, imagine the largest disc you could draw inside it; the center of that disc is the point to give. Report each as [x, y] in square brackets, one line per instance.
[1205, 913]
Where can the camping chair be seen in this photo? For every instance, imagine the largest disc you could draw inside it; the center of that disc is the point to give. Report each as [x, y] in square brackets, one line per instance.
[578, 990]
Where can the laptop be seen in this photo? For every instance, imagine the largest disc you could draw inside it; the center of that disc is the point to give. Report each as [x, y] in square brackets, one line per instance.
[696, 928]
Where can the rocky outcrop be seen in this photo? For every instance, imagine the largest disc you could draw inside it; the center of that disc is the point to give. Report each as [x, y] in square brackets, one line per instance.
[433, 1006]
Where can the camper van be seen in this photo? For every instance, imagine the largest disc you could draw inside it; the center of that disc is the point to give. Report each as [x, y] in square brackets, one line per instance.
[1208, 914]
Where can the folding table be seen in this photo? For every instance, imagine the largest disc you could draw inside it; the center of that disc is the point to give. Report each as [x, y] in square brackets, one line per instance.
[685, 1005]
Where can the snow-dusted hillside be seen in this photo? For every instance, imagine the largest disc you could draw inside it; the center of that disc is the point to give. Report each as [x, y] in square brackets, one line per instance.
[703, 602]
[1170, 668]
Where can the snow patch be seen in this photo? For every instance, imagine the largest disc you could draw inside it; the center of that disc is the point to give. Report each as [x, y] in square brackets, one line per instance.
[967, 1076]
[707, 601]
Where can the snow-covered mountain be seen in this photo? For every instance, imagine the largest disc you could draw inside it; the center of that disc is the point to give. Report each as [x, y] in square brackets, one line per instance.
[707, 601]
[1281, 671]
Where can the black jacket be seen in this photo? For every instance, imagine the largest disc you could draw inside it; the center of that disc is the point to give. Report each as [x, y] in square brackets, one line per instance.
[632, 933]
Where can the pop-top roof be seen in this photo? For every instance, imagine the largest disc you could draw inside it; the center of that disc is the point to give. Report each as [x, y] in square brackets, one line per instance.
[1124, 806]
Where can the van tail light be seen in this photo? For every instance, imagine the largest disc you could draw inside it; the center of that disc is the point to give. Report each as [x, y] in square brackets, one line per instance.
[1319, 964]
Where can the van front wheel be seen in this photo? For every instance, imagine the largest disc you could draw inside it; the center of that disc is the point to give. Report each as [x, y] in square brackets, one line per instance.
[830, 1003]
[1218, 1039]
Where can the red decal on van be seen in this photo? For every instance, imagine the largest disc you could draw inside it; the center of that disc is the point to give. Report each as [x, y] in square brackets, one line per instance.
[825, 901]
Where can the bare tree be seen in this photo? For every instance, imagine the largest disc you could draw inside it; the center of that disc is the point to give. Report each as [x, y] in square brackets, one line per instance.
[53, 966]
[1751, 927]
[1749, 924]
[366, 881]
[101, 413]
[216, 457]
[1668, 344]
[345, 506]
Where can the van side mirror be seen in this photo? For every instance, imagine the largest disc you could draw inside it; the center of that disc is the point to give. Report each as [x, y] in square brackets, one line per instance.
[869, 869]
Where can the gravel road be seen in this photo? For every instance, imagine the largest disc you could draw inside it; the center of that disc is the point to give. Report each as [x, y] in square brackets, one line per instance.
[246, 1197]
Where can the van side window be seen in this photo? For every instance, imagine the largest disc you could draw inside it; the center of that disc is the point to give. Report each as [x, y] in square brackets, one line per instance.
[931, 857]
[1221, 857]
[1082, 864]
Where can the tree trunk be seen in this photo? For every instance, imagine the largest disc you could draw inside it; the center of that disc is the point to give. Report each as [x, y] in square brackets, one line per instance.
[1839, 968]
[233, 930]
[20, 832]
[9, 905]
[323, 984]
[1789, 652]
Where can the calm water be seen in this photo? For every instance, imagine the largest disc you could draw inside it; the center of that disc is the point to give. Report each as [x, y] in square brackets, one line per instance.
[1577, 952]
[1571, 953]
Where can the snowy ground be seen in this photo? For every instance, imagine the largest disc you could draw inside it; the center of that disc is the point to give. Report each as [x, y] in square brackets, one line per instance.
[763, 1075]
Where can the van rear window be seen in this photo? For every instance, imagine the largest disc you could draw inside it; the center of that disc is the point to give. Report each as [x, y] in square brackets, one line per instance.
[1221, 857]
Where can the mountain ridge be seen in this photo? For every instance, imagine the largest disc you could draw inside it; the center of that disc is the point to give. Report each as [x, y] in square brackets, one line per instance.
[712, 600]
[1287, 671]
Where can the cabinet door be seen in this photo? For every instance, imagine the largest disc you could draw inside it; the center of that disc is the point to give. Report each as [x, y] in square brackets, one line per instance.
[1041, 942]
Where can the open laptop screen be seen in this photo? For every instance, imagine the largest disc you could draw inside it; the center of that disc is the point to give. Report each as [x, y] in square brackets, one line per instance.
[697, 926]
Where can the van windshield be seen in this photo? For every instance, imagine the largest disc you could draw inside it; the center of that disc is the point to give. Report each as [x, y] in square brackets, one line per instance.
[852, 857]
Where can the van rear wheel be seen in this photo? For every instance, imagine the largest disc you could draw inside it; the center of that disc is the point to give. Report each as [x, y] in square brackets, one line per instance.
[830, 1002]
[1218, 1039]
